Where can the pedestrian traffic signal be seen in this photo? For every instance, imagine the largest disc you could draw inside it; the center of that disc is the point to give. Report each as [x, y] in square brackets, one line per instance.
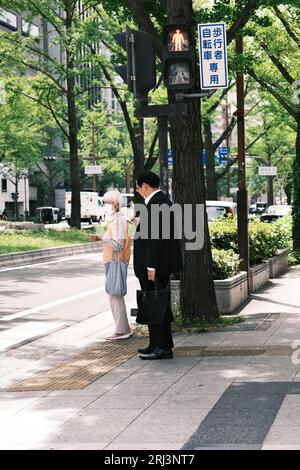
[140, 71]
[178, 57]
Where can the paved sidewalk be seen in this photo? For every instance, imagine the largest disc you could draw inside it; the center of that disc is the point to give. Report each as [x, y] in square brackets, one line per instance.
[237, 388]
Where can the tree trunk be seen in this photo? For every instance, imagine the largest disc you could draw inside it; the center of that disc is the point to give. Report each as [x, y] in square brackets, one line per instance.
[17, 216]
[197, 298]
[211, 180]
[270, 190]
[72, 125]
[288, 192]
[296, 192]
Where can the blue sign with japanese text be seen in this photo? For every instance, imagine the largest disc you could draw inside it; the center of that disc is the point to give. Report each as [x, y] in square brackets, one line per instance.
[213, 55]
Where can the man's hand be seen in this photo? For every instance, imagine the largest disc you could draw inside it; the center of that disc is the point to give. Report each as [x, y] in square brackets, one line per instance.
[151, 274]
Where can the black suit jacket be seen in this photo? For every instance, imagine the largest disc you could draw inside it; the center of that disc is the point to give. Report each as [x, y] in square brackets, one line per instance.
[162, 254]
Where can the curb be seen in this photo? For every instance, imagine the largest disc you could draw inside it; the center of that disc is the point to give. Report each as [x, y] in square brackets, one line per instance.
[26, 257]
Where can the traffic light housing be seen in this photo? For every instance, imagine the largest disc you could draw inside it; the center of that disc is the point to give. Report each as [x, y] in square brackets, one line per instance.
[140, 71]
[178, 57]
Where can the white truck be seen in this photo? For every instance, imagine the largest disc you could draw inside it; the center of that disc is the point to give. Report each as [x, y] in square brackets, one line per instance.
[90, 210]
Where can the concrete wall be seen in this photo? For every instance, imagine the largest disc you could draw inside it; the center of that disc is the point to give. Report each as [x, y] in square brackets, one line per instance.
[6, 200]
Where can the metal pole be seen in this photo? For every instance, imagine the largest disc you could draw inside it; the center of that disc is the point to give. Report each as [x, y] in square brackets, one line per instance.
[227, 144]
[162, 124]
[242, 196]
[94, 157]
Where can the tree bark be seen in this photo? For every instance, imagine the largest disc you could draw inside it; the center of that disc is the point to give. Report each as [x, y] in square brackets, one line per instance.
[72, 124]
[197, 294]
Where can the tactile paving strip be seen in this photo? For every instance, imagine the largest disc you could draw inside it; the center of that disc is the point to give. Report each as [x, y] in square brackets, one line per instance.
[85, 368]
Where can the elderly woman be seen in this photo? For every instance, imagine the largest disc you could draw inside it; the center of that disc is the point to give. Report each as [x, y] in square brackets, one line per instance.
[116, 244]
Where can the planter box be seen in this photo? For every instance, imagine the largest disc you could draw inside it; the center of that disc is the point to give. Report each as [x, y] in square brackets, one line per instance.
[230, 292]
[258, 275]
[278, 264]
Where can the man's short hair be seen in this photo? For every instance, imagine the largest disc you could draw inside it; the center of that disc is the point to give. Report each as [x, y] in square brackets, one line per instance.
[148, 177]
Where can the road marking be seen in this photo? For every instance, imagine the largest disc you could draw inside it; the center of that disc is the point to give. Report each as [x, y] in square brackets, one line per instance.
[60, 260]
[22, 333]
[56, 303]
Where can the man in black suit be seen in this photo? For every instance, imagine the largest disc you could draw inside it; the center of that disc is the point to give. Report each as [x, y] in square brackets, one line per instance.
[155, 258]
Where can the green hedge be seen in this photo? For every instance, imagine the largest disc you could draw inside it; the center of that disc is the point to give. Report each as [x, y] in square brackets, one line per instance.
[264, 239]
[226, 263]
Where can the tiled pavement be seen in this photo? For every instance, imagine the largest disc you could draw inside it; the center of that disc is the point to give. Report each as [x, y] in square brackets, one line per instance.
[242, 399]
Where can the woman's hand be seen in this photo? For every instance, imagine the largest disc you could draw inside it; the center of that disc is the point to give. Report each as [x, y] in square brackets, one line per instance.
[95, 237]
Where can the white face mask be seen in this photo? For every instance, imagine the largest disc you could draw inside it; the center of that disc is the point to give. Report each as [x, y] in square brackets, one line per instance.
[108, 209]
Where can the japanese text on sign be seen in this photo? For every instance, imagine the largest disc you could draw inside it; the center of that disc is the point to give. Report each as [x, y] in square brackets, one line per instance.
[213, 55]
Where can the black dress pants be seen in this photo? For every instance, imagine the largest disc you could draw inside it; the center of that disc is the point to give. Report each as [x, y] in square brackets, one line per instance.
[160, 335]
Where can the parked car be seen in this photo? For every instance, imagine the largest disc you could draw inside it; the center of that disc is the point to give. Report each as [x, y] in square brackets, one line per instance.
[217, 209]
[275, 212]
[261, 207]
[48, 215]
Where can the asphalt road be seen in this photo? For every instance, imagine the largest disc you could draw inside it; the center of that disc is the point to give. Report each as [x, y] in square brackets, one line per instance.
[36, 299]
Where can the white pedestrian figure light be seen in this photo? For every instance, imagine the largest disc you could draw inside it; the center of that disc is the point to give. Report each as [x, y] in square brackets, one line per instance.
[178, 41]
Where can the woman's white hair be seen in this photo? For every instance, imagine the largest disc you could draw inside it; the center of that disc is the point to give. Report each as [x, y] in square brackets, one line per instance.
[113, 197]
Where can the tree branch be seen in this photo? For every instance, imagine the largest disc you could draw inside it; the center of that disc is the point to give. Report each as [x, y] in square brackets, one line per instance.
[45, 16]
[276, 95]
[242, 19]
[49, 108]
[226, 132]
[253, 107]
[248, 147]
[278, 64]
[55, 117]
[143, 19]
[225, 171]
[123, 106]
[223, 94]
[285, 23]
[151, 160]
[44, 72]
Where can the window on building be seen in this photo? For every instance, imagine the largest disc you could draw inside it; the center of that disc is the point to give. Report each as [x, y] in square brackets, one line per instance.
[113, 102]
[30, 29]
[8, 19]
[4, 185]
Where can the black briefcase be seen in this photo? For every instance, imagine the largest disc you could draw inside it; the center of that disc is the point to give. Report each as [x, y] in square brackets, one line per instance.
[152, 304]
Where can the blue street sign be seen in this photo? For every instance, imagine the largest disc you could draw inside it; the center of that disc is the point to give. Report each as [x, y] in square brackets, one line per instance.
[204, 156]
[223, 151]
[222, 159]
[170, 157]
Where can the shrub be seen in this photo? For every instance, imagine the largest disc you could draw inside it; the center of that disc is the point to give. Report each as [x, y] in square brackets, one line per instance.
[283, 228]
[223, 234]
[226, 263]
[264, 239]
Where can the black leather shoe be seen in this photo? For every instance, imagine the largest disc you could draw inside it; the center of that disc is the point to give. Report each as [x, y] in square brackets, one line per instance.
[147, 350]
[158, 353]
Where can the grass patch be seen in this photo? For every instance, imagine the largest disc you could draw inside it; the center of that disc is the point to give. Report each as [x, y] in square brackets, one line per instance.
[12, 241]
[203, 326]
